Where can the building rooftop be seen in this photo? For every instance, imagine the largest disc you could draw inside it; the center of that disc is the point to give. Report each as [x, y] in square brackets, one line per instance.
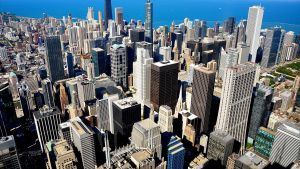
[126, 103]
[118, 46]
[141, 155]
[6, 143]
[222, 136]
[46, 112]
[97, 49]
[253, 160]
[80, 127]
[291, 128]
[147, 124]
[164, 63]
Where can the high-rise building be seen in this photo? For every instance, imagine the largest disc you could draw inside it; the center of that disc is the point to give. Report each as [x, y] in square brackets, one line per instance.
[48, 92]
[235, 101]
[54, 58]
[146, 134]
[231, 24]
[202, 93]
[26, 100]
[165, 120]
[119, 15]
[164, 84]
[65, 132]
[8, 115]
[176, 153]
[254, 22]
[83, 139]
[261, 108]
[142, 72]
[107, 12]
[70, 65]
[137, 35]
[118, 64]
[126, 112]
[60, 155]
[99, 59]
[272, 47]
[242, 31]
[63, 97]
[149, 21]
[284, 151]
[90, 14]
[102, 110]
[47, 122]
[8, 153]
[86, 92]
[220, 146]
[264, 141]
[227, 60]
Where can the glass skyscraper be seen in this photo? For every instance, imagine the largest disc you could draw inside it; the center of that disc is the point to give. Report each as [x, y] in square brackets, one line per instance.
[176, 153]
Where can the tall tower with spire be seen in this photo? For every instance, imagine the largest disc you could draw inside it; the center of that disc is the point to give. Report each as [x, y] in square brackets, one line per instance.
[107, 12]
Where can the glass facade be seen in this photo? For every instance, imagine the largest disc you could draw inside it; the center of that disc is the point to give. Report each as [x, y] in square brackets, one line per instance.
[264, 141]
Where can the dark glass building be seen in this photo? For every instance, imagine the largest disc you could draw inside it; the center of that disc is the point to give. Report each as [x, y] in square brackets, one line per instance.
[107, 12]
[99, 59]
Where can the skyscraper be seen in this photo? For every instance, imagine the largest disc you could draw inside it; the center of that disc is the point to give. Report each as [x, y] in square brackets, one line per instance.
[272, 47]
[164, 84]
[146, 134]
[7, 110]
[285, 149]
[107, 12]
[264, 141]
[26, 100]
[99, 59]
[102, 110]
[254, 22]
[235, 101]
[165, 120]
[83, 139]
[220, 146]
[142, 72]
[176, 153]
[149, 22]
[54, 58]
[119, 15]
[48, 92]
[8, 153]
[261, 106]
[118, 64]
[231, 24]
[70, 65]
[47, 122]
[202, 93]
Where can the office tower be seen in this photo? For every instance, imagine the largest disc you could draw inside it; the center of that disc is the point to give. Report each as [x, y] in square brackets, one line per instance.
[285, 149]
[118, 64]
[13, 80]
[297, 41]
[90, 14]
[251, 160]
[176, 153]
[42, 73]
[8, 153]
[231, 24]
[235, 103]
[126, 112]
[100, 20]
[255, 17]
[203, 29]
[86, 92]
[164, 84]
[202, 93]
[107, 12]
[165, 52]
[64, 132]
[220, 146]
[112, 95]
[119, 15]
[63, 96]
[70, 65]
[90, 72]
[242, 31]
[264, 141]
[243, 53]
[227, 60]
[26, 100]
[287, 50]
[149, 21]
[271, 49]
[99, 60]
[142, 72]
[146, 134]
[261, 108]
[217, 28]
[47, 122]
[102, 110]
[54, 58]
[83, 139]
[60, 155]
[286, 97]
[137, 35]
[8, 115]
[48, 92]
[165, 120]
[177, 36]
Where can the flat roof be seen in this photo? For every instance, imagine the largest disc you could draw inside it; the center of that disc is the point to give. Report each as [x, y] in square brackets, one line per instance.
[141, 155]
[148, 124]
[126, 103]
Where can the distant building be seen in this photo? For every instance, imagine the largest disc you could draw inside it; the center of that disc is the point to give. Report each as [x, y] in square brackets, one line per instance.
[220, 146]
[8, 153]
[176, 153]
[137, 35]
[47, 122]
[149, 21]
[284, 151]
[264, 141]
[60, 155]
[164, 84]
[83, 139]
[126, 112]
[107, 12]
[146, 134]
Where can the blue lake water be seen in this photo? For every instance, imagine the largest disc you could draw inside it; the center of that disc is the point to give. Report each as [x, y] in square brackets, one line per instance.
[285, 13]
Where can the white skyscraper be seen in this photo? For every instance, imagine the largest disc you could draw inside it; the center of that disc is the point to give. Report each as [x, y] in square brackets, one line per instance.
[235, 101]
[142, 72]
[165, 120]
[255, 17]
[227, 60]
